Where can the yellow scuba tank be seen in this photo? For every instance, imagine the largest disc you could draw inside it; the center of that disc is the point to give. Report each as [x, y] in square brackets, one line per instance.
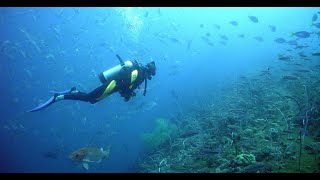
[110, 73]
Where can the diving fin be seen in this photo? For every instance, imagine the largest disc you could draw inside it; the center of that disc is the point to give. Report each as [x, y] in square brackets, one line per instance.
[107, 151]
[44, 105]
[85, 165]
[58, 95]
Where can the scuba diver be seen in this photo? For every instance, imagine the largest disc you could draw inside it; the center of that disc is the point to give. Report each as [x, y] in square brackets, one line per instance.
[123, 78]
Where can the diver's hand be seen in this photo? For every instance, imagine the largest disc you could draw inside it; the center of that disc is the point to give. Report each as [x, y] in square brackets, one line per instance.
[127, 98]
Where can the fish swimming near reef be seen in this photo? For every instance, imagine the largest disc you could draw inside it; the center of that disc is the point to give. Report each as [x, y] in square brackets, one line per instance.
[241, 35]
[90, 155]
[272, 28]
[303, 70]
[234, 23]
[289, 77]
[188, 134]
[209, 151]
[302, 34]
[253, 19]
[301, 54]
[286, 58]
[224, 37]
[316, 54]
[258, 38]
[314, 17]
[280, 40]
[301, 46]
[216, 26]
[51, 155]
[317, 25]
[292, 42]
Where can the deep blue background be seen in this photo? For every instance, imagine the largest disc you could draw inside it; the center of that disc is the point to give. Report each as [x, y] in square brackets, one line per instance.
[43, 49]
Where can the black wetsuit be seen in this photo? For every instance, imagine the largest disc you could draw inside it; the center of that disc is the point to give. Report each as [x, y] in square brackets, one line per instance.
[123, 86]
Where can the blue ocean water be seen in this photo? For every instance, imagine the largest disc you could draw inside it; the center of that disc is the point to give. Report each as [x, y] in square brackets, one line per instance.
[195, 50]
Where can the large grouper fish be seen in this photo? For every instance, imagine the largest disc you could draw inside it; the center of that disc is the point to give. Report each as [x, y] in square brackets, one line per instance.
[90, 155]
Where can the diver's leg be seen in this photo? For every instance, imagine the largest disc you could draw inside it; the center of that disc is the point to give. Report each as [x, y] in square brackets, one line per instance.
[92, 97]
[101, 92]
[75, 95]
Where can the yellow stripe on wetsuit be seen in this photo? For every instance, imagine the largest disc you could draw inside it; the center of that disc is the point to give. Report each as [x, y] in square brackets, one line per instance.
[113, 83]
[134, 75]
[109, 88]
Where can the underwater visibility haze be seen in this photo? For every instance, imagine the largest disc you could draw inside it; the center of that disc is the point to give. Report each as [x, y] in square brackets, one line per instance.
[236, 90]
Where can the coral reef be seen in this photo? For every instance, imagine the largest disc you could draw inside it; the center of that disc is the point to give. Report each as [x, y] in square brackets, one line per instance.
[249, 125]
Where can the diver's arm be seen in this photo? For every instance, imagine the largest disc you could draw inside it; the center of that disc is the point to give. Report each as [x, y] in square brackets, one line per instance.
[127, 93]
